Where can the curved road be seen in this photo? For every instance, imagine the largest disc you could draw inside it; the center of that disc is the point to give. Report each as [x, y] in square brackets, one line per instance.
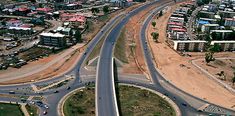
[187, 103]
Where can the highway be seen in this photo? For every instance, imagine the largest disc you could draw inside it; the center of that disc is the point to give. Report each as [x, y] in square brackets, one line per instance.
[186, 102]
[106, 104]
[105, 92]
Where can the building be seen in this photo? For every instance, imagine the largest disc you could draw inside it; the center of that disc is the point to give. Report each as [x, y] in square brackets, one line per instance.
[75, 20]
[224, 33]
[225, 45]
[171, 25]
[193, 46]
[69, 6]
[207, 27]
[53, 40]
[14, 23]
[176, 19]
[22, 11]
[227, 14]
[63, 30]
[20, 31]
[229, 22]
[43, 10]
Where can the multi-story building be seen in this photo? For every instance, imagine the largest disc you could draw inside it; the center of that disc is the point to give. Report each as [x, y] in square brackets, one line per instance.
[207, 27]
[229, 22]
[196, 45]
[20, 31]
[53, 40]
[225, 45]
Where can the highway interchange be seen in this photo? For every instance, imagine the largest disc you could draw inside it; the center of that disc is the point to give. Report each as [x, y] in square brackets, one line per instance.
[104, 78]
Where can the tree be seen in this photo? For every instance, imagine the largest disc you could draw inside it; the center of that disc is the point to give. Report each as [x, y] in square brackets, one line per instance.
[106, 9]
[160, 13]
[154, 24]
[209, 57]
[155, 36]
[215, 48]
[233, 80]
[95, 10]
[78, 36]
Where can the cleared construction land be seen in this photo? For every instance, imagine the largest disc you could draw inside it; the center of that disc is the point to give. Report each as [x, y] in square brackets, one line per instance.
[179, 69]
[222, 69]
[133, 101]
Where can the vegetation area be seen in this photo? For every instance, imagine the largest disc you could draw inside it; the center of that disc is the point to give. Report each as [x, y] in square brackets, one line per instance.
[139, 102]
[82, 103]
[120, 47]
[10, 110]
[155, 36]
[32, 110]
[133, 101]
[34, 53]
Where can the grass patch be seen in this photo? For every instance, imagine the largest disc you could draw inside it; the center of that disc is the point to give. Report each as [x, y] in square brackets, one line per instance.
[96, 50]
[82, 103]
[90, 27]
[60, 84]
[32, 110]
[133, 101]
[37, 98]
[10, 110]
[104, 18]
[138, 102]
[120, 47]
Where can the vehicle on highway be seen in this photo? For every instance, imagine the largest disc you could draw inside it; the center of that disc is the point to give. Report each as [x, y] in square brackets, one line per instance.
[23, 100]
[46, 106]
[45, 112]
[184, 104]
[68, 88]
[11, 92]
[56, 91]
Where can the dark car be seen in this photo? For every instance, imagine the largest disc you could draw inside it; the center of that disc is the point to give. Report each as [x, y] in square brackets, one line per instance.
[184, 104]
[56, 91]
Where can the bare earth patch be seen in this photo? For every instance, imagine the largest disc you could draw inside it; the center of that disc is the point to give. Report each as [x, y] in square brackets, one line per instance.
[135, 55]
[225, 65]
[179, 70]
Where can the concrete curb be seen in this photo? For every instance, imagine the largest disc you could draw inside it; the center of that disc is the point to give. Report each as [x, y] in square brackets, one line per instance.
[60, 106]
[172, 103]
[113, 87]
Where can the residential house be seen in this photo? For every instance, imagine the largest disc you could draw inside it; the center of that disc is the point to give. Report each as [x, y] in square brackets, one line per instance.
[68, 6]
[75, 20]
[207, 27]
[44, 10]
[176, 19]
[13, 23]
[229, 22]
[22, 11]
[63, 30]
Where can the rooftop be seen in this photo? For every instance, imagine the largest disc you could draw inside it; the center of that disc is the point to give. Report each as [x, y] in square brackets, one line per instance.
[52, 34]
